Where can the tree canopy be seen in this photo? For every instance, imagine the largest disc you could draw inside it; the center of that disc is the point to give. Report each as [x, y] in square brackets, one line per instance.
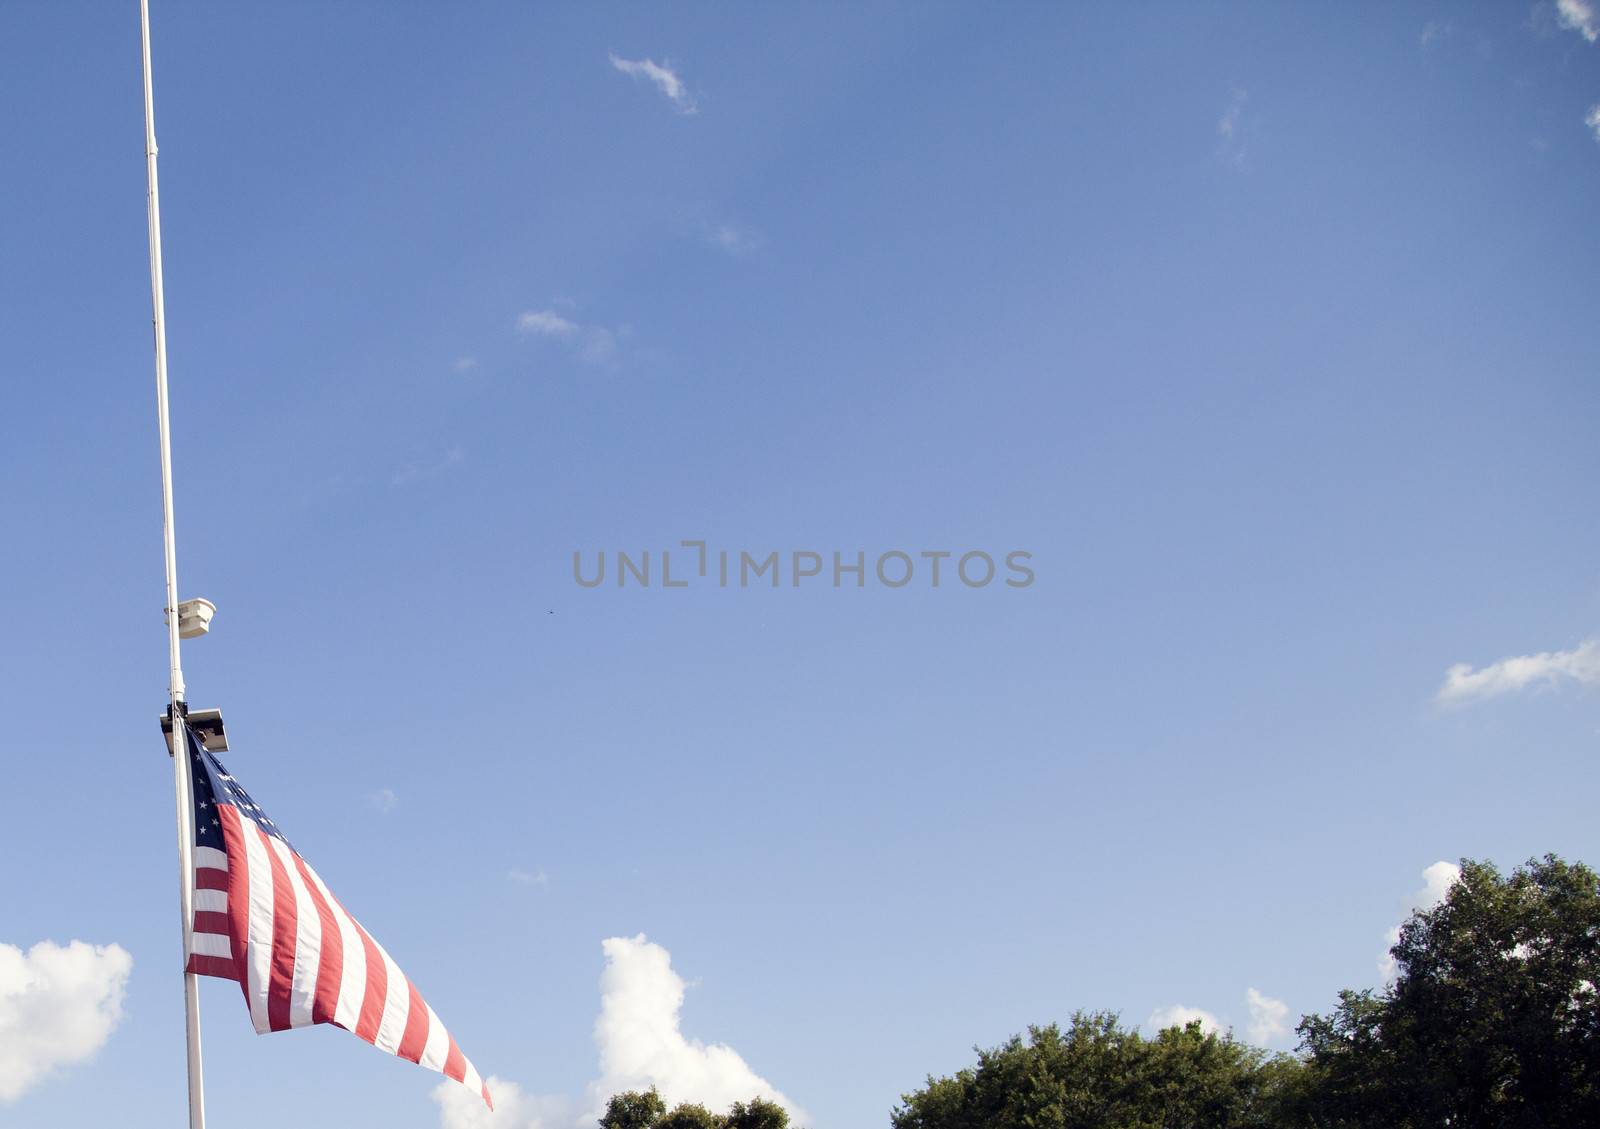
[644, 1109]
[1097, 1074]
[1491, 1022]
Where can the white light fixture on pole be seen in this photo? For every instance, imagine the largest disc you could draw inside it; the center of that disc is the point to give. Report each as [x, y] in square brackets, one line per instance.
[191, 619]
[194, 618]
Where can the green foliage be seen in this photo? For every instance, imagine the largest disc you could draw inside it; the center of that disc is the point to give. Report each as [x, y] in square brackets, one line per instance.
[1100, 1075]
[1493, 1020]
[689, 1116]
[758, 1113]
[636, 1109]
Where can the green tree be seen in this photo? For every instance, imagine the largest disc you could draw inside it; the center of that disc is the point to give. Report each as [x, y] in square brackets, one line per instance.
[1099, 1075]
[644, 1109]
[758, 1113]
[689, 1115]
[633, 1109]
[1492, 1021]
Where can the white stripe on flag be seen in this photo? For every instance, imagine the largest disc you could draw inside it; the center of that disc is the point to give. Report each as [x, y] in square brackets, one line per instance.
[210, 858]
[211, 945]
[211, 901]
[437, 1048]
[258, 947]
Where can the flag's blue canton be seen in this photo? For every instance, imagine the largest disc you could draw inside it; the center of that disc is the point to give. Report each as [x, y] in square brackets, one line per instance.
[213, 785]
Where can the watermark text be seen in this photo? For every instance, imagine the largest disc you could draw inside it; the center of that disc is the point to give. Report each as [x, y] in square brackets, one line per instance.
[696, 563]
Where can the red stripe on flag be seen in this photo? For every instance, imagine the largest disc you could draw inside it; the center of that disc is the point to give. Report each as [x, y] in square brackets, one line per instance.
[210, 878]
[455, 1063]
[238, 890]
[330, 963]
[377, 988]
[415, 1038]
[222, 967]
[280, 984]
[210, 921]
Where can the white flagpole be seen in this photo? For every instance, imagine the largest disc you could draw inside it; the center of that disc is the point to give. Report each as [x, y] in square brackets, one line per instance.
[180, 747]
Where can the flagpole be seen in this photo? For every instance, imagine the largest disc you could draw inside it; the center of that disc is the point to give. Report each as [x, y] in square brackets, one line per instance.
[180, 745]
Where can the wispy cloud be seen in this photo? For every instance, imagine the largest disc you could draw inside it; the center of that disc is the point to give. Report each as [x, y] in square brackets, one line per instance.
[599, 347]
[384, 800]
[420, 471]
[1269, 1018]
[1592, 120]
[595, 345]
[733, 239]
[1463, 684]
[545, 323]
[1432, 32]
[528, 877]
[1228, 124]
[58, 1006]
[640, 1040]
[1231, 127]
[1436, 882]
[1180, 1016]
[465, 364]
[1580, 16]
[662, 75]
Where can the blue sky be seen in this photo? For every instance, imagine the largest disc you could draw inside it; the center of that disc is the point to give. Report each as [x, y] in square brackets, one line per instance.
[1268, 331]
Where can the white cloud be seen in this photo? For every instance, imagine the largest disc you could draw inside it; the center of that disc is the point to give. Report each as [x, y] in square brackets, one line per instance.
[58, 1006]
[640, 1039]
[465, 364]
[1269, 1018]
[662, 75]
[460, 1108]
[1581, 664]
[1579, 16]
[1592, 120]
[546, 323]
[1436, 882]
[1180, 1016]
[1432, 32]
[528, 877]
[384, 799]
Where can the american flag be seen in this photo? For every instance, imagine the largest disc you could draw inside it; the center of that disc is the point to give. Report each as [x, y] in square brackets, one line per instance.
[263, 918]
